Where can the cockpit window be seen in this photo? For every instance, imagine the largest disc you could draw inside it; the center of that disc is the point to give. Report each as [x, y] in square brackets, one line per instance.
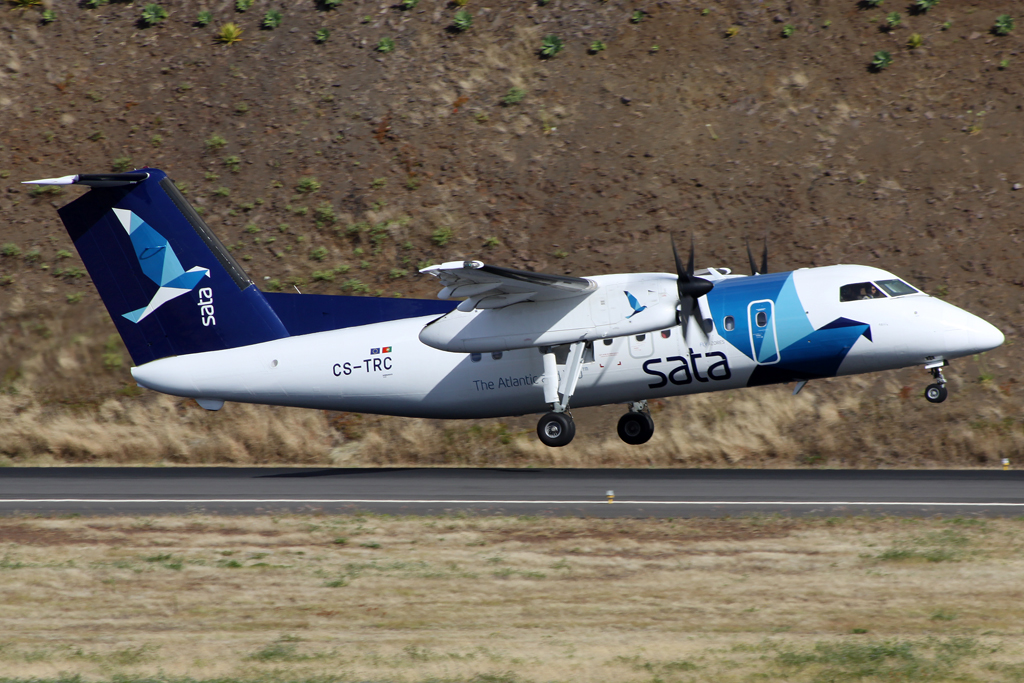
[896, 287]
[859, 291]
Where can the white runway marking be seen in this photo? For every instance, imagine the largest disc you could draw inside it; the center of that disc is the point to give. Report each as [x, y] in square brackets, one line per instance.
[499, 502]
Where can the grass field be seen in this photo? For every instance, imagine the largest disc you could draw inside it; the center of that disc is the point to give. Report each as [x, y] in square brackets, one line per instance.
[510, 599]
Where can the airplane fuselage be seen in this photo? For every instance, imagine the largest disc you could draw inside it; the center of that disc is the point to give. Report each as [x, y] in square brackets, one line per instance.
[765, 329]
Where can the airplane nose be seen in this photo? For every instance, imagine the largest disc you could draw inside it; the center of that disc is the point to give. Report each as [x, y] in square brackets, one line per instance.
[985, 336]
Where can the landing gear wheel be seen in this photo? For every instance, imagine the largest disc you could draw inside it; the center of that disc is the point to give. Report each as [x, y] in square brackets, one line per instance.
[636, 428]
[556, 429]
[935, 393]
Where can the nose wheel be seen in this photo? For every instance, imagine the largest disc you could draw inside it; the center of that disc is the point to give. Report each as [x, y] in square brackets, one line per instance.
[936, 393]
[556, 429]
[636, 427]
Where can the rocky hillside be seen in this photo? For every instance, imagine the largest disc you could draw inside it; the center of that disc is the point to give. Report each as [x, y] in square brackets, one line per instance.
[355, 141]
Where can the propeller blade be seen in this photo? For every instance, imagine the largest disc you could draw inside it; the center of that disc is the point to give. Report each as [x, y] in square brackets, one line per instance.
[690, 287]
[750, 257]
[689, 268]
[679, 263]
[754, 270]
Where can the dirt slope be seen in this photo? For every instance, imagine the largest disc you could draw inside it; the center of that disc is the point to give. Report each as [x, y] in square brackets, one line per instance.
[421, 155]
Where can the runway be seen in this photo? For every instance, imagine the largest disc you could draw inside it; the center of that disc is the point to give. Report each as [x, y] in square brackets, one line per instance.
[578, 492]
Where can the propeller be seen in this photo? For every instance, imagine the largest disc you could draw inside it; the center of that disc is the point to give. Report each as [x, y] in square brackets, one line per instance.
[764, 259]
[689, 286]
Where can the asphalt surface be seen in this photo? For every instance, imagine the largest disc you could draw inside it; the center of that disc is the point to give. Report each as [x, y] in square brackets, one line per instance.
[636, 493]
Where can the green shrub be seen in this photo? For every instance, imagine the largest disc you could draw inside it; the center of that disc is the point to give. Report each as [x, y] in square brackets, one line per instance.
[409, 4]
[10, 249]
[924, 5]
[463, 20]
[243, 5]
[204, 18]
[322, 35]
[318, 253]
[271, 20]
[597, 46]
[881, 60]
[229, 34]
[892, 20]
[48, 16]
[788, 30]
[441, 236]
[324, 214]
[232, 162]
[121, 164]
[1004, 24]
[551, 46]
[153, 14]
[214, 142]
[386, 45]
[323, 275]
[307, 185]
[637, 16]
[513, 96]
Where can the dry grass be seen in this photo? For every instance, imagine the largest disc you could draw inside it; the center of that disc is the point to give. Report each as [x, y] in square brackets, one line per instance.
[848, 422]
[359, 598]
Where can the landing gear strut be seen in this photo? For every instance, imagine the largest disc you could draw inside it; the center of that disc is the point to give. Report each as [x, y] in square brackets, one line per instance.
[557, 428]
[636, 426]
[936, 393]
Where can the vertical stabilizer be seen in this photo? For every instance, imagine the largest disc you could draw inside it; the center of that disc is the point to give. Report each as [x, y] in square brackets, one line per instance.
[169, 284]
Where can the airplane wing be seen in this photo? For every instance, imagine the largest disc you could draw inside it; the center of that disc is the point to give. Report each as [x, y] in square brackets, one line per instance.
[494, 287]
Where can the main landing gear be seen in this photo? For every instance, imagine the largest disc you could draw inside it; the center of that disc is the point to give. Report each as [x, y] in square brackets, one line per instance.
[936, 393]
[636, 426]
[557, 427]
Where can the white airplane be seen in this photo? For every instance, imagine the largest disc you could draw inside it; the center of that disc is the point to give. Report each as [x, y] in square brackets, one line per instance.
[517, 342]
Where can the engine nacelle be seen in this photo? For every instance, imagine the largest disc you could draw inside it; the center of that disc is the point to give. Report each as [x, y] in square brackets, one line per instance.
[605, 312]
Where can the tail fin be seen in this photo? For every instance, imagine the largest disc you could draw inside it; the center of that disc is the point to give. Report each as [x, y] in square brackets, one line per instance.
[168, 283]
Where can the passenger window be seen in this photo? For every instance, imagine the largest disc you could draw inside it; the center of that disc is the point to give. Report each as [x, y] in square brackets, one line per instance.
[607, 342]
[496, 355]
[859, 291]
[475, 357]
[730, 323]
[761, 318]
[641, 337]
[665, 334]
[896, 287]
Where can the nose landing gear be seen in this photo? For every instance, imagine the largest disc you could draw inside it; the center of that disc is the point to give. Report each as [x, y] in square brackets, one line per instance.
[636, 426]
[936, 393]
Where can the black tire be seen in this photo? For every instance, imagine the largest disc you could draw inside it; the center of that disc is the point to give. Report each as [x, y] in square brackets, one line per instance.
[636, 428]
[556, 429]
[936, 393]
